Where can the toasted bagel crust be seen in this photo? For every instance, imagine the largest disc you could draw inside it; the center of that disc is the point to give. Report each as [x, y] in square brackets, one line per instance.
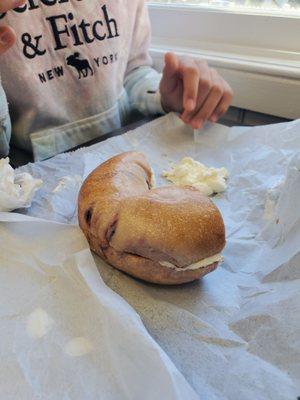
[134, 227]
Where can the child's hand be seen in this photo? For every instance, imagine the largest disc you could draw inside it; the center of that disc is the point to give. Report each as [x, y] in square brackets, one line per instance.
[7, 35]
[193, 89]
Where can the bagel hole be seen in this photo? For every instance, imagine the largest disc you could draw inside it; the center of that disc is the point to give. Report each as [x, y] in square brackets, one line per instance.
[88, 216]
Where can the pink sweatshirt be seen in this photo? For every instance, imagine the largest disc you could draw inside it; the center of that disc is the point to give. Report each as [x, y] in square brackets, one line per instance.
[77, 70]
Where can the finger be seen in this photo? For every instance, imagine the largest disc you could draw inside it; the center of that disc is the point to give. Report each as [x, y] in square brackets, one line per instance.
[6, 5]
[7, 38]
[204, 87]
[210, 103]
[224, 103]
[170, 73]
[190, 76]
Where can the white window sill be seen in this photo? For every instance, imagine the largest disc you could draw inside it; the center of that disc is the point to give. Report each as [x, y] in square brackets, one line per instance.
[259, 55]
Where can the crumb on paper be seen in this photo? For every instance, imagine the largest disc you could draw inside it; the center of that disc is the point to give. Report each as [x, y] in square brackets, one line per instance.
[78, 347]
[39, 324]
[269, 211]
[67, 181]
[189, 172]
[271, 201]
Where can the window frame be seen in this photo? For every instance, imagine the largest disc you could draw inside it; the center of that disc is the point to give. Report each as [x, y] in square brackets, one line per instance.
[256, 51]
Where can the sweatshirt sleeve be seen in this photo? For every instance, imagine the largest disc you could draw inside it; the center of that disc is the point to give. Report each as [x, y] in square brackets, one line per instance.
[141, 80]
[5, 124]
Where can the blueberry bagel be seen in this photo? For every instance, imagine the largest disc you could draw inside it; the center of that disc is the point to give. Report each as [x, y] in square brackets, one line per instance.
[168, 235]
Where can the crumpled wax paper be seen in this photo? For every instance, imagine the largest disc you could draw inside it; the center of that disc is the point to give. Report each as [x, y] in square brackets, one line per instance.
[16, 189]
[236, 333]
[63, 333]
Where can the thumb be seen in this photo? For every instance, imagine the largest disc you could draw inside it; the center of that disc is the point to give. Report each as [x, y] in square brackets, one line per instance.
[7, 38]
[170, 78]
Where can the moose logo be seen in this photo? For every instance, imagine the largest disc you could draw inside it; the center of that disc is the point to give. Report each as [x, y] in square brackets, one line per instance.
[82, 66]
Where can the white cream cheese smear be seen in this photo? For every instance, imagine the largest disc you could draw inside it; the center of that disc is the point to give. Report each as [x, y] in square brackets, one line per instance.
[200, 264]
[78, 347]
[189, 172]
[39, 324]
[17, 190]
[153, 180]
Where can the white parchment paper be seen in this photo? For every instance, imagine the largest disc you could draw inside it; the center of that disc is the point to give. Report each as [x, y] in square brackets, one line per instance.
[236, 333]
[64, 334]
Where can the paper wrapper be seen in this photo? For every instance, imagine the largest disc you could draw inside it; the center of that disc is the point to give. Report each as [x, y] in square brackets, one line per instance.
[64, 334]
[236, 333]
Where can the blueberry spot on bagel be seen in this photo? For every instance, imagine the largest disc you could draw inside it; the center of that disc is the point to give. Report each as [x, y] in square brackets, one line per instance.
[103, 249]
[111, 230]
[88, 216]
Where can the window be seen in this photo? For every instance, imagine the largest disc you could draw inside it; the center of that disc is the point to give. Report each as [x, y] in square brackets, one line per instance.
[257, 49]
[285, 5]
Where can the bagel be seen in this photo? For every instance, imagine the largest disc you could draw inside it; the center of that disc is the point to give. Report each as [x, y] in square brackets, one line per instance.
[167, 235]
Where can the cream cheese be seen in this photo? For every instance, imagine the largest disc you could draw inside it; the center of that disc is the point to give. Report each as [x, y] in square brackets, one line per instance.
[152, 180]
[200, 264]
[17, 190]
[39, 323]
[189, 172]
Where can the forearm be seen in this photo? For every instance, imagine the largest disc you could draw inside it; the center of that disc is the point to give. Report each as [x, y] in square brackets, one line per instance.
[142, 86]
[5, 125]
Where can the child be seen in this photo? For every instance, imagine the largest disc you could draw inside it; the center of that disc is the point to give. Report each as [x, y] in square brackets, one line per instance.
[73, 70]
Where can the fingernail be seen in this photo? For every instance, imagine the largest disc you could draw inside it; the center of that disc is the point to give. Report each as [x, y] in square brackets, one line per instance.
[190, 105]
[5, 38]
[214, 118]
[18, 3]
[198, 124]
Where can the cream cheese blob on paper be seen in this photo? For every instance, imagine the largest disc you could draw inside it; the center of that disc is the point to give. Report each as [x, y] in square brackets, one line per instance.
[16, 189]
[78, 347]
[189, 172]
[39, 323]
